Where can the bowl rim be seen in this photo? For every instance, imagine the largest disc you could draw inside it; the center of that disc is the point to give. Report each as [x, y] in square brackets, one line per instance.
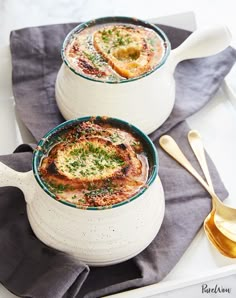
[53, 131]
[116, 19]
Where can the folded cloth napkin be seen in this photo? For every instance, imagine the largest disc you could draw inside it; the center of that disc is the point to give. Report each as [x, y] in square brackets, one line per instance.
[30, 269]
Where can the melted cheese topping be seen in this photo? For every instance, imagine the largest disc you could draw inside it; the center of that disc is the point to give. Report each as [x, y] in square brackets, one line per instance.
[86, 160]
[114, 52]
[95, 165]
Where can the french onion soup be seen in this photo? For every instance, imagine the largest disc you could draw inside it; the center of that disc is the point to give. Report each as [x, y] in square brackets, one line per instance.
[94, 163]
[114, 52]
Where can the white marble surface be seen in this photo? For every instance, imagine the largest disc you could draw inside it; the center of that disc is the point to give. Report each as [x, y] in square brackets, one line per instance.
[16, 14]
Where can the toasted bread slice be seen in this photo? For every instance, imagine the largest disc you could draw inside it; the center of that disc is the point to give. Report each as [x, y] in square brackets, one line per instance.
[94, 165]
[125, 48]
[90, 159]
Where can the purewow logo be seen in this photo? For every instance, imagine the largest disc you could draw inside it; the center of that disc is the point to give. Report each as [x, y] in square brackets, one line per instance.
[215, 289]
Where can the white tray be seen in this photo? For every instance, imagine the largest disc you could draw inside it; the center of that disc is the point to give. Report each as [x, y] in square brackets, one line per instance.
[201, 263]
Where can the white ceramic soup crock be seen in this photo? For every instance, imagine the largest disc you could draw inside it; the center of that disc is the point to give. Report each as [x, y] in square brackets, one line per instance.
[94, 235]
[145, 101]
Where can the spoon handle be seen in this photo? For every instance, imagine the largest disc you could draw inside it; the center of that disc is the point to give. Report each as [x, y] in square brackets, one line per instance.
[196, 144]
[170, 146]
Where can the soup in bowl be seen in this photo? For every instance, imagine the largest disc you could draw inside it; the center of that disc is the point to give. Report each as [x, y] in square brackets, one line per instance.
[95, 163]
[114, 52]
[124, 67]
[94, 190]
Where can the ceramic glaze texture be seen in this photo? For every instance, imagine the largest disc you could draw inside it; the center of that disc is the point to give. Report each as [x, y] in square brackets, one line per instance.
[150, 97]
[77, 97]
[101, 235]
[98, 237]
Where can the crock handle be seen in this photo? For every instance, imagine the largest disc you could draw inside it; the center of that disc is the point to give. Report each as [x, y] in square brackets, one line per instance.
[24, 181]
[202, 43]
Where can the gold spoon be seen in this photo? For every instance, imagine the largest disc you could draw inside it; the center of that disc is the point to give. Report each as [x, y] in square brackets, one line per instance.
[211, 227]
[196, 143]
[225, 245]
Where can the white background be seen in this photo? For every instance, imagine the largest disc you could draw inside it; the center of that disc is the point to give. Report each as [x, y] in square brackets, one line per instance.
[16, 14]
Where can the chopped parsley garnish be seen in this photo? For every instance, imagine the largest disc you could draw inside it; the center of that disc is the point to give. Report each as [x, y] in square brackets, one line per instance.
[58, 188]
[88, 164]
[91, 159]
[107, 189]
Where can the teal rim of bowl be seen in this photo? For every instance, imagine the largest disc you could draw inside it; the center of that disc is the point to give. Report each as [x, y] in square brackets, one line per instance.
[69, 123]
[117, 19]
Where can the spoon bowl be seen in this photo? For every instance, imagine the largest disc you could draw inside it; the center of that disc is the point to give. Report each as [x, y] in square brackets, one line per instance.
[225, 245]
[227, 227]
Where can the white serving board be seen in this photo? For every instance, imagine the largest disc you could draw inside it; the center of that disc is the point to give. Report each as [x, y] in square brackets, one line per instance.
[201, 262]
[217, 124]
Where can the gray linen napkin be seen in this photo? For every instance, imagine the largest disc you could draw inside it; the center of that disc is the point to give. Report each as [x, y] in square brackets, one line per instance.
[36, 60]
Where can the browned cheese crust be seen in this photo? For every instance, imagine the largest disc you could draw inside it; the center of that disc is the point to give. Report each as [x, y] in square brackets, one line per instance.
[125, 49]
[95, 166]
[115, 52]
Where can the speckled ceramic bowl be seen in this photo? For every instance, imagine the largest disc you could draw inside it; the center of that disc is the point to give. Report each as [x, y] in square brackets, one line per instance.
[93, 235]
[146, 100]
